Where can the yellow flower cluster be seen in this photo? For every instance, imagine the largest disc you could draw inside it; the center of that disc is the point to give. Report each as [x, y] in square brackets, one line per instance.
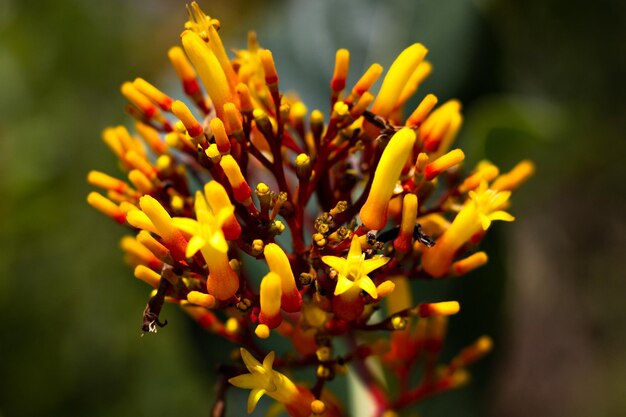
[371, 199]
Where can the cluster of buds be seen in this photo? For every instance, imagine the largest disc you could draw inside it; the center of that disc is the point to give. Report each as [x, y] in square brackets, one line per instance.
[261, 219]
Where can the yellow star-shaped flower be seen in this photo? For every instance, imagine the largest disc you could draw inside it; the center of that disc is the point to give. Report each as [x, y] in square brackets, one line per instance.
[207, 230]
[354, 268]
[487, 202]
[262, 379]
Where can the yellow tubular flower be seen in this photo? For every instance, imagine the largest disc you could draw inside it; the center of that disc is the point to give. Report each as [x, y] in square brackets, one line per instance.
[208, 238]
[402, 243]
[209, 68]
[515, 177]
[352, 270]
[270, 294]
[468, 264]
[342, 62]
[106, 206]
[476, 215]
[219, 201]
[172, 237]
[180, 110]
[393, 84]
[262, 379]
[291, 299]
[241, 189]
[398, 150]
[444, 162]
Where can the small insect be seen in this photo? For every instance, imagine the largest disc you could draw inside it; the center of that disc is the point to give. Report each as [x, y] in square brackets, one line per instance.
[418, 235]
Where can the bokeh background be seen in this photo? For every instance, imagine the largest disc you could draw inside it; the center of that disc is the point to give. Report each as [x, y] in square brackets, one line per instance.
[539, 79]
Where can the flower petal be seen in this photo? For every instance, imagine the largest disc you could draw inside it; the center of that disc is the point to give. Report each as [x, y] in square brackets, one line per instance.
[187, 225]
[246, 381]
[268, 362]
[367, 285]
[335, 262]
[355, 248]
[249, 360]
[343, 285]
[501, 215]
[254, 397]
[195, 244]
[371, 264]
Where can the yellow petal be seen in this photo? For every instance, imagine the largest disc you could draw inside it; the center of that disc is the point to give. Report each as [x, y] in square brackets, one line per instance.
[249, 360]
[335, 262]
[371, 264]
[343, 285]
[501, 215]
[366, 284]
[245, 381]
[218, 242]
[195, 244]
[355, 248]
[269, 361]
[186, 224]
[254, 397]
[485, 221]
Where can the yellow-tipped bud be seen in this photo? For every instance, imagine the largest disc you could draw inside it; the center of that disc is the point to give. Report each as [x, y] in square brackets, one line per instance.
[141, 163]
[201, 299]
[270, 294]
[220, 136]
[398, 75]
[385, 288]
[269, 68]
[440, 128]
[515, 177]
[468, 264]
[102, 180]
[151, 137]
[471, 354]
[106, 207]
[233, 119]
[147, 275]
[209, 68]
[366, 81]
[422, 111]
[140, 181]
[409, 213]
[241, 189]
[183, 68]
[446, 308]
[245, 100]
[361, 105]
[443, 163]
[340, 74]
[291, 299]
[145, 238]
[138, 99]
[422, 71]
[153, 93]
[394, 157]
[180, 110]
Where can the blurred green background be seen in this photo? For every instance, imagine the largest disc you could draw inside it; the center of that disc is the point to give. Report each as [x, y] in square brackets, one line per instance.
[539, 79]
